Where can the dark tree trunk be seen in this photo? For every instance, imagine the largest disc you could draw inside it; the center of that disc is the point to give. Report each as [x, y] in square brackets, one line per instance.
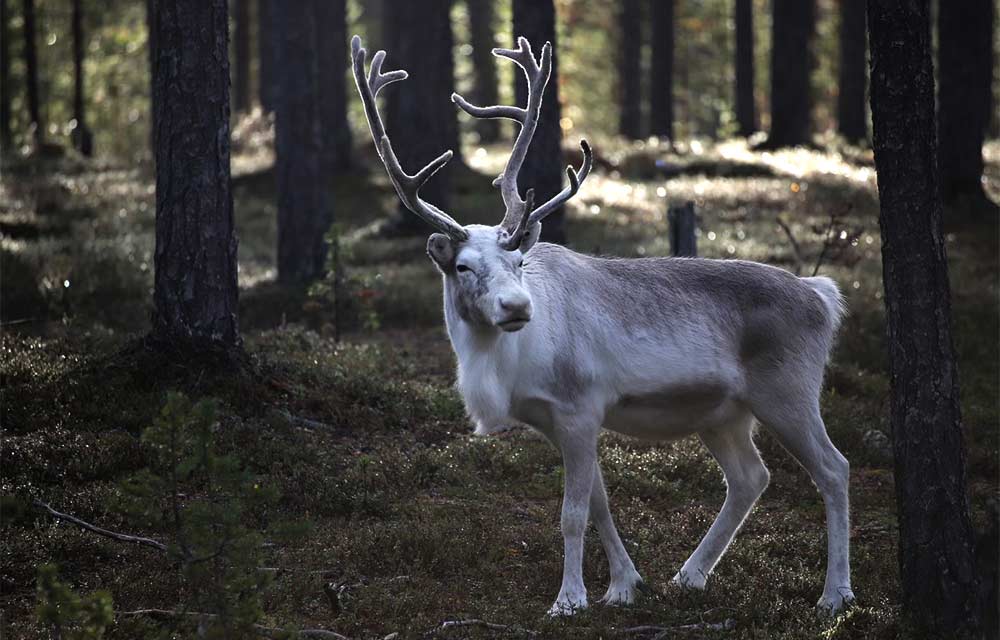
[852, 122]
[746, 108]
[421, 120]
[31, 72]
[965, 69]
[543, 168]
[937, 563]
[6, 139]
[195, 292]
[481, 16]
[331, 38]
[267, 53]
[793, 23]
[661, 79]
[241, 75]
[629, 69]
[83, 140]
[303, 211]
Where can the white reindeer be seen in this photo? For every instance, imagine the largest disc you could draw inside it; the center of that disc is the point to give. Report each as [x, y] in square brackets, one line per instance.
[656, 348]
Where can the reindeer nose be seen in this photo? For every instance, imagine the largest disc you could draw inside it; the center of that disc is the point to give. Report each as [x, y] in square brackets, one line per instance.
[516, 305]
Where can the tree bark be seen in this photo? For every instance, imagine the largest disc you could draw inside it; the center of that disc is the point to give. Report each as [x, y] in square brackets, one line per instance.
[6, 137]
[241, 77]
[481, 15]
[661, 79]
[746, 108]
[331, 38]
[543, 167]
[793, 24]
[303, 210]
[936, 554]
[420, 118]
[83, 140]
[965, 70]
[267, 54]
[31, 72]
[630, 69]
[195, 284]
[852, 122]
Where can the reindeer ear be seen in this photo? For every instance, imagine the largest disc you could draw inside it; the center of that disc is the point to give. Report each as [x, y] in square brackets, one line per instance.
[530, 237]
[441, 249]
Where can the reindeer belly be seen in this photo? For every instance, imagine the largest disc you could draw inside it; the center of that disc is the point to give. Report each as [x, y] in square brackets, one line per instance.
[673, 412]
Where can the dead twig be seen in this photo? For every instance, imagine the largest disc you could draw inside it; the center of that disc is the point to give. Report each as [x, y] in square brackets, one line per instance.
[305, 423]
[482, 624]
[267, 632]
[114, 535]
[796, 248]
[663, 632]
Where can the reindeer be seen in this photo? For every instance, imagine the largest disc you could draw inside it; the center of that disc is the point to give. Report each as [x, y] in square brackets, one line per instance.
[654, 348]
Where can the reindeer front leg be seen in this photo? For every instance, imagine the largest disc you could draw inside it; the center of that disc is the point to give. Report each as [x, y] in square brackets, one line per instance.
[577, 440]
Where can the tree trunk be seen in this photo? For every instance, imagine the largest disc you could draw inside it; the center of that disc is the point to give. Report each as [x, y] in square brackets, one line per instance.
[481, 16]
[746, 108]
[241, 77]
[852, 122]
[937, 565]
[6, 138]
[543, 167]
[629, 69]
[83, 140]
[303, 211]
[793, 23]
[421, 120]
[965, 69]
[267, 53]
[195, 287]
[31, 72]
[331, 38]
[661, 78]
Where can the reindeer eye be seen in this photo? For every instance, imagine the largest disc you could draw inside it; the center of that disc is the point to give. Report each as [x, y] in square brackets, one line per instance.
[520, 264]
[463, 268]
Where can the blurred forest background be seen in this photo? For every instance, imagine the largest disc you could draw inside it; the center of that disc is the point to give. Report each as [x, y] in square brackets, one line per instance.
[323, 477]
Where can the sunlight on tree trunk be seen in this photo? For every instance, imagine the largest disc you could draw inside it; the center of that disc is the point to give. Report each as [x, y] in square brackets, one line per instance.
[793, 26]
[852, 121]
[661, 70]
[746, 108]
[630, 69]
[83, 139]
[31, 72]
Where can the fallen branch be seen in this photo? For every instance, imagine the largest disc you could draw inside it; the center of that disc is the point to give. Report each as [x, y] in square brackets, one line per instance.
[482, 624]
[664, 632]
[114, 535]
[267, 632]
[305, 423]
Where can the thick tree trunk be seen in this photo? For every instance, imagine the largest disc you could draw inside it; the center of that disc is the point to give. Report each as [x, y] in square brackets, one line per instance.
[195, 292]
[630, 69]
[31, 72]
[267, 54]
[303, 210]
[83, 140]
[852, 122]
[793, 23]
[331, 38]
[421, 120]
[6, 139]
[241, 75]
[543, 168]
[481, 16]
[937, 562]
[965, 56]
[661, 77]
[746, 108]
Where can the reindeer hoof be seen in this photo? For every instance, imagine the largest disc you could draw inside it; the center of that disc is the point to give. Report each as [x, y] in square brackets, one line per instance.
[832, 604]
[567, 607]
[690, 580]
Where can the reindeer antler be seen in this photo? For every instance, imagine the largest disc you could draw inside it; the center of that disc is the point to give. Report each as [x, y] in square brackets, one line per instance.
[519, 217]
[407, 186]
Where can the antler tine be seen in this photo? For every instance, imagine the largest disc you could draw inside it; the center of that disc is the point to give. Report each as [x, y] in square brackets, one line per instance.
[407, 186]
[576, 178]
[514, 236]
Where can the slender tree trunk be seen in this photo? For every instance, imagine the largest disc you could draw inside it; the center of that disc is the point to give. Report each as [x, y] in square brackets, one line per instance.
[303, 210]
[746, 108]
[965, 69]
[481, 15]
[543, 167]
[630, 69]
[793, 24]
[6, 138]
[852, 122]
[83, 140]
[661, 78]
[195, 287]
[267, 53]
[31, 72]
[241, 77]
[937, 561]
[331, 38]
[421, 121]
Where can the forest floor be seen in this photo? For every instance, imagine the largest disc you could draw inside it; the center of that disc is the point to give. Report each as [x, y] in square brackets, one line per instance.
[416, 519]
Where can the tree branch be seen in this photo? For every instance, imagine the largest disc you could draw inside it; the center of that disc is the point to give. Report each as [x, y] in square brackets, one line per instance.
[267, 632]
[664, 632]
[483, 624]
[120, 537]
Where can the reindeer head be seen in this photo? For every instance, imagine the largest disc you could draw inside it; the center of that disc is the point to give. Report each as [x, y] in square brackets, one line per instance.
[482, 265]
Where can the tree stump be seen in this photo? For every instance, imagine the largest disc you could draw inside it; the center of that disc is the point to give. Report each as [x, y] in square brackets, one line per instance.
[682, 222]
